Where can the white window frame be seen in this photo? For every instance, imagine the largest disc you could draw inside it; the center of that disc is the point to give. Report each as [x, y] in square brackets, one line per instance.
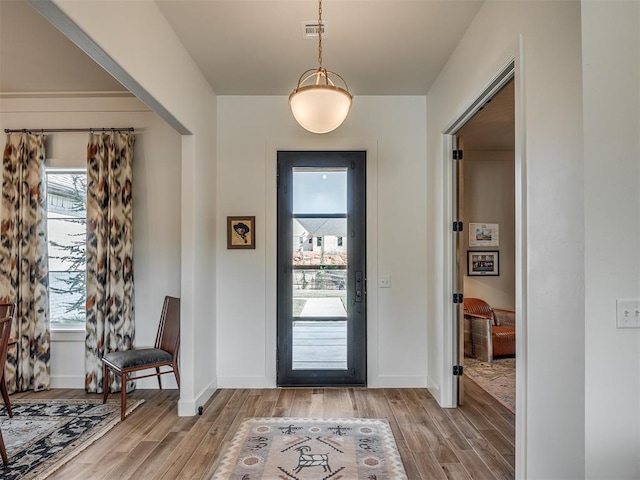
[65, 332]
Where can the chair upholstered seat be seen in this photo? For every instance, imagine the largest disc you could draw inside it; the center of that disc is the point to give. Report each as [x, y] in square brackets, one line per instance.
[147, 357]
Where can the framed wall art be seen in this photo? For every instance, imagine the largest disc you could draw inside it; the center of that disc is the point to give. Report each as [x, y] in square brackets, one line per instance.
[241, 232]
[484, 235]
[483, 263]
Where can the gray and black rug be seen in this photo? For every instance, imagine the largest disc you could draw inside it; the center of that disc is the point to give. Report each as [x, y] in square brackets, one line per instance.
[45, 434]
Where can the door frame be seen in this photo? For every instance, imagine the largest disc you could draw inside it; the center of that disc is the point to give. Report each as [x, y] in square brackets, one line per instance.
[513, 68]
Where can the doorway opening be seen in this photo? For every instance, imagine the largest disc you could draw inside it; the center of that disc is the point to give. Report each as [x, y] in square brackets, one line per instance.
[321, 286]
[485, 250]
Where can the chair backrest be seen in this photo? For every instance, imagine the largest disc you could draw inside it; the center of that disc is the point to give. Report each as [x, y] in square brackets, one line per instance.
[477, 306]
[5, 332]
[7, 310]
[168, 338]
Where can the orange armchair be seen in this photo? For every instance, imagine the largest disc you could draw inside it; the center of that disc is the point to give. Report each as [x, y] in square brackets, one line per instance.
[493, 332]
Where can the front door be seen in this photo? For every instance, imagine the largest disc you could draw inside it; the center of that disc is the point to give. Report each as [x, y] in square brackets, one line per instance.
[321, 268]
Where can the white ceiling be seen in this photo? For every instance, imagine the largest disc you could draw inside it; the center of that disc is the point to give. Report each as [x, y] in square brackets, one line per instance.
[247, 47]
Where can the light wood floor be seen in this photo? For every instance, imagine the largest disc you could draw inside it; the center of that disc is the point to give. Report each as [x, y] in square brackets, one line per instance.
[474, 441]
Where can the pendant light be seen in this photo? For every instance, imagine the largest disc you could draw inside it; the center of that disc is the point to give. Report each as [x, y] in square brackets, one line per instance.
[317, 103]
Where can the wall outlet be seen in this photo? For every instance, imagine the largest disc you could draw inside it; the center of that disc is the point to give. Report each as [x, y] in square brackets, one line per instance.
[628, 313]
[384, 282]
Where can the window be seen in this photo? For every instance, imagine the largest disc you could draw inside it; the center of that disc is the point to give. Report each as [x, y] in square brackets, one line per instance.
[319, 242]
[339, 241]
[67, 234]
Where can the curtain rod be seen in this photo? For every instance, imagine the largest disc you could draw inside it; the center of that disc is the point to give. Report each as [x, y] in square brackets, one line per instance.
[62, 130]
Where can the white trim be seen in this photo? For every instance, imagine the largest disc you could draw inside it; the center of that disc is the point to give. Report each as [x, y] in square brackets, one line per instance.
[68, 335]
[97, 94]
[521, 260]
[400, 381]
[447, 397]
[67, 381]
[188, 408]
[68, 170]
[247, 382]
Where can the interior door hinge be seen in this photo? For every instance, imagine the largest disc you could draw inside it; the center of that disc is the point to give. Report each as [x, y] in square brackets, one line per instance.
[458, 226]
[458, 298]
[458, 370]
[457, 154]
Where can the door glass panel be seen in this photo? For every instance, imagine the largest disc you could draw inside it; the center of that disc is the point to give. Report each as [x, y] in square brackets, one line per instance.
[319, 190]
[319, 269]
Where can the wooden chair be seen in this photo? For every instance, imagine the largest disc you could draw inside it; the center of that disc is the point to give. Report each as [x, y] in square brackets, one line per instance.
[5, 332]
[164, 354]
[6, 310]
[492, 335]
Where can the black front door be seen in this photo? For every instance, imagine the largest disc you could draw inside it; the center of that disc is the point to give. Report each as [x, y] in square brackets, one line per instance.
[322, 300]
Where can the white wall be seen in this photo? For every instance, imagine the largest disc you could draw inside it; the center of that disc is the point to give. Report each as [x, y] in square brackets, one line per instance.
[489, 184]
[550, 419]
[156, 210]
[611, 49]
[250, 132]
[161, 72]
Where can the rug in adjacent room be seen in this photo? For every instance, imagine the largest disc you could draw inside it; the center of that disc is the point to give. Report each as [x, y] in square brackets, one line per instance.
[321, 449]
[498, 379]
[45, 434]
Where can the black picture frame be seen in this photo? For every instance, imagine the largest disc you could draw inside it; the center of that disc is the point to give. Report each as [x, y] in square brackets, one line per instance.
[483, 263]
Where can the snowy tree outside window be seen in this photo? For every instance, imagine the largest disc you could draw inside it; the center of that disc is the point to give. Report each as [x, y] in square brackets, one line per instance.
[67, 234]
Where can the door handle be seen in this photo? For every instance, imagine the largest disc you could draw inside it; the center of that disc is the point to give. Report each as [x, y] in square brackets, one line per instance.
[359, 286]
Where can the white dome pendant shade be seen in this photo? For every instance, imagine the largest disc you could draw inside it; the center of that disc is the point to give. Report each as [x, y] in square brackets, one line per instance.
[320, 107]
[317, 103]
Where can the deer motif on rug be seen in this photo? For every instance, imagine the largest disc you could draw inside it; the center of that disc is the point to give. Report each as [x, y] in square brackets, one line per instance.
[307, 459]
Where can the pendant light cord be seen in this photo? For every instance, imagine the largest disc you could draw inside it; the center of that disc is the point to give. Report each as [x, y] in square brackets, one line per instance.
[320, 33]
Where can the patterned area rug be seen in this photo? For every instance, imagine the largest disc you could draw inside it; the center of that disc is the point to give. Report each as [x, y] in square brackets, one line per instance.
[45, 434]
[319, 449]
[497, 379]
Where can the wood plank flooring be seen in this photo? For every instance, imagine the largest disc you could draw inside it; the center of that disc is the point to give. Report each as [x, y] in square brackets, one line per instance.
[475, 441]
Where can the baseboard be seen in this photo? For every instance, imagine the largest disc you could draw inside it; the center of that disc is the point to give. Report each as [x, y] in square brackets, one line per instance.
[189, 408]
[67, 381]
[435, 392]
[398, 381]
[246, 382]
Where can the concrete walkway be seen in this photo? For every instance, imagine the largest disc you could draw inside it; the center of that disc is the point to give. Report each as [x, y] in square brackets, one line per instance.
[323, 307]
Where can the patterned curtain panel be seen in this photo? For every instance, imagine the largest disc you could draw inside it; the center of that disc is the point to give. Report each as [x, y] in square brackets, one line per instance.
[110, 309]
[24, 272]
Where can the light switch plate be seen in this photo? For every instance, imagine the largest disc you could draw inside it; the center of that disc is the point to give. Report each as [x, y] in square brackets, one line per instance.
[628, 313]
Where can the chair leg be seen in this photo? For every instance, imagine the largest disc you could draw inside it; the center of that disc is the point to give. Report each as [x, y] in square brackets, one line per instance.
[3, 451]
[158, 377]
[105, 383]
[177, 374]
[123, 393]
[5, 396]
